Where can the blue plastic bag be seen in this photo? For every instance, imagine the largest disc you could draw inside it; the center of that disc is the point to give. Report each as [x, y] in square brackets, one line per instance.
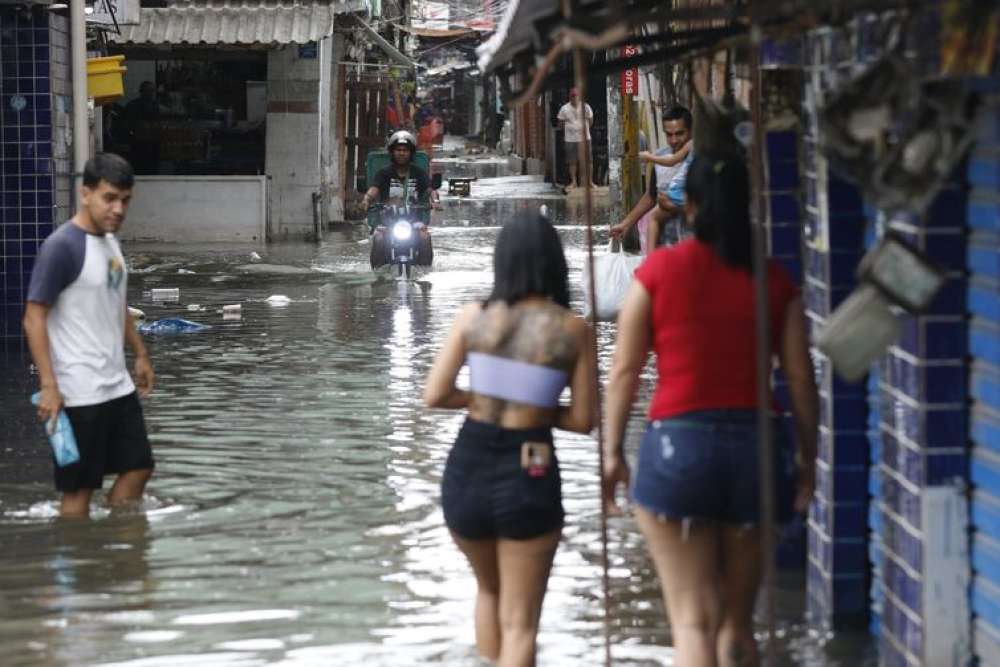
[62, 438]
[171, 325]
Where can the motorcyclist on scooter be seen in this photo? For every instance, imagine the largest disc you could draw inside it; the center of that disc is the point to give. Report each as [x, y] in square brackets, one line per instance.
[405, 182]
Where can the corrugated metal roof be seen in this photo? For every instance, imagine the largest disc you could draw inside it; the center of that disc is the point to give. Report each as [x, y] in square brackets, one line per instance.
[236, 22]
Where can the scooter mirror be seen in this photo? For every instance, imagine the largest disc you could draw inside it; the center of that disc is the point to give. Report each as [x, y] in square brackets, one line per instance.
[436, 181]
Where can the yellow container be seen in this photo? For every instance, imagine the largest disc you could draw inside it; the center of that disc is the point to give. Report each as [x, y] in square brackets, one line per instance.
[104, 79]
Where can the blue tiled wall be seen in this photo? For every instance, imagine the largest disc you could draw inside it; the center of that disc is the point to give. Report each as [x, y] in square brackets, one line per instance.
[26, 211]
[918, 424]
[983, 301]
[784, 232]
[834, 225]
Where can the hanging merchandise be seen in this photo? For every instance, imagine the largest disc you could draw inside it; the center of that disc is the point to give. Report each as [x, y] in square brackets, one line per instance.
[897, 140]
[720, 127]
[863, 326]
[856, 124]
[927, 152]
[612, 277]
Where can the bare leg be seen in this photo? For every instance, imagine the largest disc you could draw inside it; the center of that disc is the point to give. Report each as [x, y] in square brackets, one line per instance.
[75, 504]
[687, 563]
[652, 233]
[572, 174]
[482, 555]
[524, 574]
[741, 561]
[129, 486]
[660, 219]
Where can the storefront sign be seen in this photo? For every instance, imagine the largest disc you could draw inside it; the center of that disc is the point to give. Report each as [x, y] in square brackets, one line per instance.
[307, 51]
[125, 12]
[630, 76]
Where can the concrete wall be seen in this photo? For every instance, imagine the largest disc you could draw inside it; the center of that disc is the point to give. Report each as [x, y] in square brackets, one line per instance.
[293, 140]
[198, 209]
[333, 157]
[62, 116]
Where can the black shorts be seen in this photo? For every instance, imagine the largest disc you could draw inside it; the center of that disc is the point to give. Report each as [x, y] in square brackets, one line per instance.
[112, 439]
[486, 493]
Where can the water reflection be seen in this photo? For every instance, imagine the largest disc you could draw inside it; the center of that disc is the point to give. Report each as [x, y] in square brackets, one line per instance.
[294, 516]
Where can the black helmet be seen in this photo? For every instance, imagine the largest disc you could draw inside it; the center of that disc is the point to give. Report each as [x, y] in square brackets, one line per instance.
[402, 137]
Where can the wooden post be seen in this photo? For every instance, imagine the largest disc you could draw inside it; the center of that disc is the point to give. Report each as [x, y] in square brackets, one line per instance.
[631, 170]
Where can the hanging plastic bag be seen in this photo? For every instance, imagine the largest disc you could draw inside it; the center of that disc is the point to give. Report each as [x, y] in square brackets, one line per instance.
[612, 276]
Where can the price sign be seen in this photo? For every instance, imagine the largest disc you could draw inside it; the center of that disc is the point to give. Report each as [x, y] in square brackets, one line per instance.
[125, 12]
[630, 76]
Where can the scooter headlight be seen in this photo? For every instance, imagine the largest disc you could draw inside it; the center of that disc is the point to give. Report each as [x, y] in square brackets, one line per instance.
[402, 230]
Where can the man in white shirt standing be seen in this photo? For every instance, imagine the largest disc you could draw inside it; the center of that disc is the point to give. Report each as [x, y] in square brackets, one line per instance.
[77, 322]
[575, 119]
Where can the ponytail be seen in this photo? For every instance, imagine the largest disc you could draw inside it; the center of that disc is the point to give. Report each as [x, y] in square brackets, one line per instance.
[720, 188]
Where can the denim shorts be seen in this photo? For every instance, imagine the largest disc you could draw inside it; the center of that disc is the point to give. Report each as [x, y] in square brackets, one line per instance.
[485, 493]
[703, 465]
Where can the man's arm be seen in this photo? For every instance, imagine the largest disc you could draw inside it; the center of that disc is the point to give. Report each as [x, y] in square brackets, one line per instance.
[35, 321]
[144, 376]
[640, 209]
[374, 192]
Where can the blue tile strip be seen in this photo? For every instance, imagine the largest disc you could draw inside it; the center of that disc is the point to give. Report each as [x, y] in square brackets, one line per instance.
[26, 212]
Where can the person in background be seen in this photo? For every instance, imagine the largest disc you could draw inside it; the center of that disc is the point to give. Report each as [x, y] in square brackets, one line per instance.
[696, 492]
[575, 120]
[76, 322]
[655, 206]
[501, 489]
[403, 181]
[141, 116]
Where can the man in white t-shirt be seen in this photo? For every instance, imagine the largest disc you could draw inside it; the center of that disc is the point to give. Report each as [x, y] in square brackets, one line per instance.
[575, 120]
[77, 322]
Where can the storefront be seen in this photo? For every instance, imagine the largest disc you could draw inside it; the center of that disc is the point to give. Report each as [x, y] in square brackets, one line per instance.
[228, 115]
[195, 112]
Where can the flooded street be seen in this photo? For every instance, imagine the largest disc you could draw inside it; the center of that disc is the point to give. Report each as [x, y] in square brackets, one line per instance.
[294, 515]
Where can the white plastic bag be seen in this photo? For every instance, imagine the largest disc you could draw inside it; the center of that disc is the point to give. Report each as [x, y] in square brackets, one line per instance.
[612, 277]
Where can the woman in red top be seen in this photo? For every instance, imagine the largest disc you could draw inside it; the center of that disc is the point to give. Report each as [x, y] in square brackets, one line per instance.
[696, 488]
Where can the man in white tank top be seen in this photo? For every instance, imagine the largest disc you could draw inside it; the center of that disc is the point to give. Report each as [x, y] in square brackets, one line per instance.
[77, 322]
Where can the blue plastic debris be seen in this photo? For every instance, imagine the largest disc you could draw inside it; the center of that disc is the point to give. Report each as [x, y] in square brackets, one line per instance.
[172, 325]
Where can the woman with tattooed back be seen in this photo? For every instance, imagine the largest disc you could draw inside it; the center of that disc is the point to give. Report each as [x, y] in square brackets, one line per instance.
[501, 490]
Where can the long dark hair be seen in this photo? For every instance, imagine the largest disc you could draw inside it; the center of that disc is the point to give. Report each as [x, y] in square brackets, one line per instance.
[720, 188]
[528, 259]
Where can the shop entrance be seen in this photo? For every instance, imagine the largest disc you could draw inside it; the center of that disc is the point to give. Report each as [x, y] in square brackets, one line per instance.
[191, 112]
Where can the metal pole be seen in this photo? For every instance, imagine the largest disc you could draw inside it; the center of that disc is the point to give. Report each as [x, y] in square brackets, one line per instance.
[765, 445]
[583, 159]
[81, 125]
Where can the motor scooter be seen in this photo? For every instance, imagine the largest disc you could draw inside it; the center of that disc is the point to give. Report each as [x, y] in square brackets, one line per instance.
[402, 244]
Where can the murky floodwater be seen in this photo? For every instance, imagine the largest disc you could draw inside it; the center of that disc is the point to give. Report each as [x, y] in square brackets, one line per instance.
[294, 517]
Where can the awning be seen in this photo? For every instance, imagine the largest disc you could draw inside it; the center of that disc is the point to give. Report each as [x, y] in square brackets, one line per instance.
[236, 22]
[533, 34]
